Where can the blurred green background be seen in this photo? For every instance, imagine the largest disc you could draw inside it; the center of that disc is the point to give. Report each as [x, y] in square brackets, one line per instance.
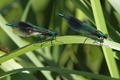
[80, 57]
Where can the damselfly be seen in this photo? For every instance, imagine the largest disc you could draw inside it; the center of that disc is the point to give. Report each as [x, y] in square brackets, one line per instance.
[84, 28]
[27, 29]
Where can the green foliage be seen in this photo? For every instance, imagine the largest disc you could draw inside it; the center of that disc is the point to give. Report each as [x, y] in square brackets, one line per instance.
[67, 55]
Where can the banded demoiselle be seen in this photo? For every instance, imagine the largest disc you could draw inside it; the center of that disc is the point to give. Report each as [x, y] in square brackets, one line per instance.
[84, 28]
[27, 29]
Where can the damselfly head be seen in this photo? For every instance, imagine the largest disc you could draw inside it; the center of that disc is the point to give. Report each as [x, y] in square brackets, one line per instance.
[100, 34]
[52, 33]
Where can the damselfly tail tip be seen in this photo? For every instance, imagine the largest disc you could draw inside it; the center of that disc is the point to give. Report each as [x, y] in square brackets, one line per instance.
[60, 14]
[12, 25]
[9, 24]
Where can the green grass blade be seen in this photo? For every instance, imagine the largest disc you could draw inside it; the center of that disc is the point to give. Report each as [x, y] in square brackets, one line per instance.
[84, 9]
[61, 71]
[60, 41]
[100, 23]
[115, 4]
[26, 11]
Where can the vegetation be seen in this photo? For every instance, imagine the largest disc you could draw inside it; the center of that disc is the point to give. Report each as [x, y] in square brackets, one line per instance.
[67, 57]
